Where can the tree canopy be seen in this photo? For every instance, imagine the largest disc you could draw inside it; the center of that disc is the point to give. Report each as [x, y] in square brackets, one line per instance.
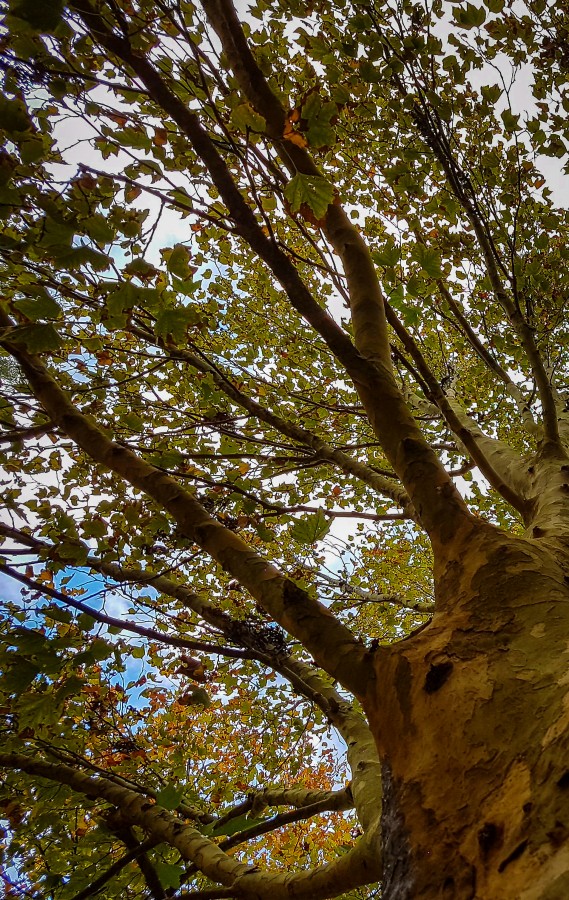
[283, 317]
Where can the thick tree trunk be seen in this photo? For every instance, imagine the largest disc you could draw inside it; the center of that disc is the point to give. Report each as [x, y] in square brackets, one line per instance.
[474, 734]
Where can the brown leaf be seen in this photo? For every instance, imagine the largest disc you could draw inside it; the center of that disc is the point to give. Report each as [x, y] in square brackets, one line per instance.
[160, 137]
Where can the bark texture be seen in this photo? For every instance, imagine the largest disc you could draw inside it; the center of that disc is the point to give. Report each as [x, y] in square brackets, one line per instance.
[474, 735]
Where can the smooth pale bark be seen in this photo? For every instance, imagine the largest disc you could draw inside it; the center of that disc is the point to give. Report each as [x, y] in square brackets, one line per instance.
[473, 732]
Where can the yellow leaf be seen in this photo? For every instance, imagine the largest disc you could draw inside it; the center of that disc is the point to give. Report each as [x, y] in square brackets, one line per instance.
[290, 134]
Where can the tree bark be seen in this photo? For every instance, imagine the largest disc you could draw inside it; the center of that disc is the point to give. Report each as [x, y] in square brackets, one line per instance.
[474, 734]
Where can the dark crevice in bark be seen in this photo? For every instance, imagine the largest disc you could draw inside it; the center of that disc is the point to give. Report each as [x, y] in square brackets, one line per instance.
[397, 882]
[437, 676]
[515, 854]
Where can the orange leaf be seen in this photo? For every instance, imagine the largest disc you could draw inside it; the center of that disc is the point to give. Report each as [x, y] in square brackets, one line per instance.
[118, 118]
[160, 137]
[294, 137]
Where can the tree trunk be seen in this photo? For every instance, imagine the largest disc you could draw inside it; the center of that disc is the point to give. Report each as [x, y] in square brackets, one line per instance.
[474, 735]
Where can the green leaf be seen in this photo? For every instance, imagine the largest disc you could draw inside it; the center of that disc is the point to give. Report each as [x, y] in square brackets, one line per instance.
[98, 228]
[72, 686]
[244, 118]
[318, 115]
[57, 614]
[41, 307]
[387, 256]
[312, 190]
[178, 261]
[239, 823]
[133, 137]
[140, 267]
[31, 149]
[85, 622]
[511, 121]
[170, 874]
[94, 527]
[170, 796]
[19, 676]
[429, 259]
[264, 533]
[174, 322]
[469, 16]
[40, 15]
[313, 528]
[37, 338]
[14, 116]
[36, 710]
[77, 257]
[133, 421]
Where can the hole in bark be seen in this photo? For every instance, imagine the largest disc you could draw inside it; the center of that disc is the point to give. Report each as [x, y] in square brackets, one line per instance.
[563, 782]
[436, 677]
[538, 532]
[531, 470]
[527, 808]
[489, 836]
[515, 854]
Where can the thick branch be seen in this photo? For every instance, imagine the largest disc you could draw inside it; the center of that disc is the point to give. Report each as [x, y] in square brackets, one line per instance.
[354, 731]
[331, 643]
[497, 462]
[359, 866]
[432, 492]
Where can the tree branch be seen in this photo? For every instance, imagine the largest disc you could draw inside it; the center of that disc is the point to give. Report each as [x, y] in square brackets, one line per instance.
[150, 633]
[432, 492]
[293, 608]
[502, 466]
[362, 755]
[432, 131]
[117, 867]
[387, 487]
[359, 866]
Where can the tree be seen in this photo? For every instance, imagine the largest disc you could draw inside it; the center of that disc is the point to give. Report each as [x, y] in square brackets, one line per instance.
[283, 318]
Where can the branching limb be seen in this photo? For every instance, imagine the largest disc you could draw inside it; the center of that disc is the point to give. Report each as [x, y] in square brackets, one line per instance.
[96, 886]
[435, 498]
[305, 679]
[337, 801]
[502, 466]
[125, 625]
[387, 487]
[492, 364]
[432, 131]
[128, 838]
[359, 866]
[293, 608]
[371, 597]
[25, 434]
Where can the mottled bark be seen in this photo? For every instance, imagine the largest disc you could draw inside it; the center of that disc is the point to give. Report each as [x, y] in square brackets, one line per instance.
[474, 733]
